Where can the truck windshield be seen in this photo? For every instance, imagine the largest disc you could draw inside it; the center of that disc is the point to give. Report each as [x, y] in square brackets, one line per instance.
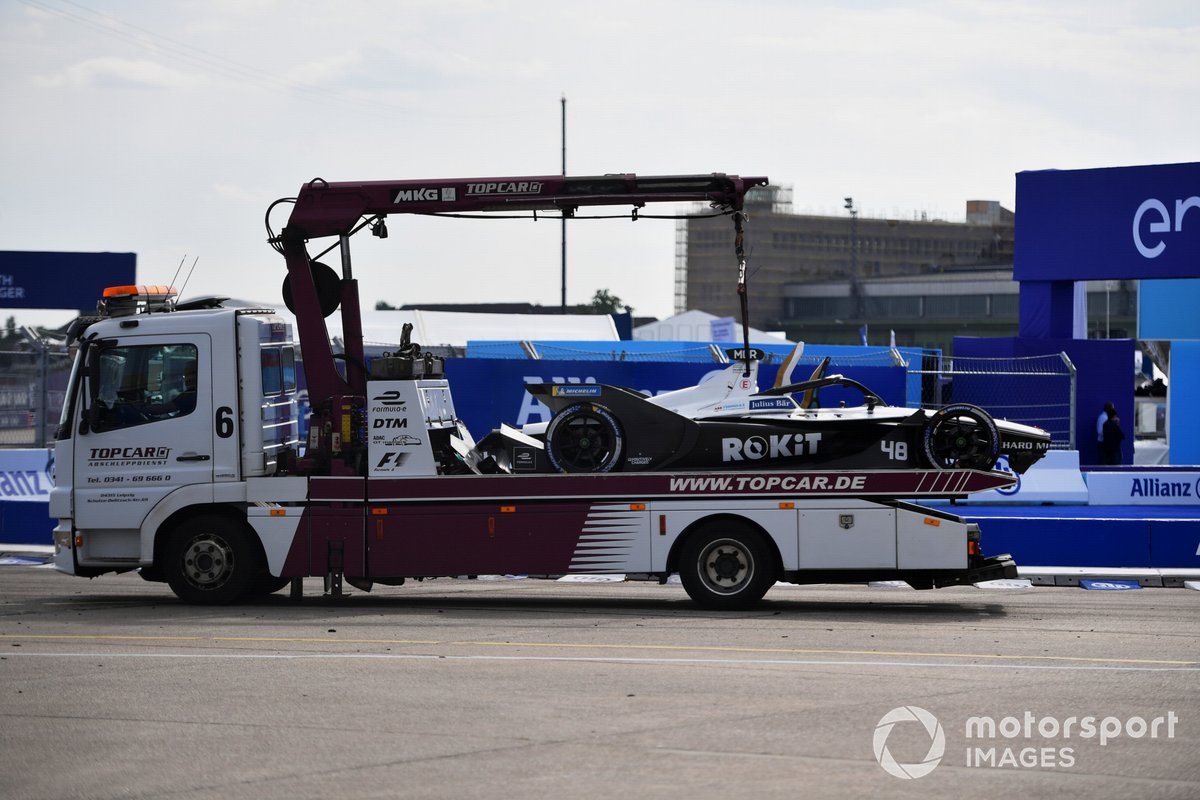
[144, 383]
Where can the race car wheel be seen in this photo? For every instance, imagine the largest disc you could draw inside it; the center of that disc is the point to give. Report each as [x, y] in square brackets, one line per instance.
[726, 566]
[584, 437]
[961, 436]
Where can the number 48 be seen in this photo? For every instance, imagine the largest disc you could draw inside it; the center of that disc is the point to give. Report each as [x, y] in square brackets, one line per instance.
[896, 451]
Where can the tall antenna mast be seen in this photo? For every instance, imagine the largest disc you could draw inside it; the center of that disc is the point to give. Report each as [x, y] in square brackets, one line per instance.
[563, 298]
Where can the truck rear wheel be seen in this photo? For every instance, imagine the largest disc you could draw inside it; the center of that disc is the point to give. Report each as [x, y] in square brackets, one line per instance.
[209, 560]
[726, 566]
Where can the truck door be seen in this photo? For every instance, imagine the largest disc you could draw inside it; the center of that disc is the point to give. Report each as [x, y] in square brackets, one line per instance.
[147, 430]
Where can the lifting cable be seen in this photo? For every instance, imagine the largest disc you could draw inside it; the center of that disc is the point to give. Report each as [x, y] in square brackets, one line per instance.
[739, 249]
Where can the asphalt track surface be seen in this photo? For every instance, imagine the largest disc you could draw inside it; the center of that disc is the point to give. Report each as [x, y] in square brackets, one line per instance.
[454, 688]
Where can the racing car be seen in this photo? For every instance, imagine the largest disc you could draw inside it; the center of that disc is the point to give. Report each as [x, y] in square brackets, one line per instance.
[726, 423]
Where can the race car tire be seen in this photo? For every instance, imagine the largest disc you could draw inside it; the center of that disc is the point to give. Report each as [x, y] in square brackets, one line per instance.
[726, 566]
[583, 438]
[961, 436]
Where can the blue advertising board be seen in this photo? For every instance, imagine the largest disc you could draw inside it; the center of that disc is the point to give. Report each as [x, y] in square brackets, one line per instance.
[30, 279]
[1167, 308]
[489, 391]
[1116, 222]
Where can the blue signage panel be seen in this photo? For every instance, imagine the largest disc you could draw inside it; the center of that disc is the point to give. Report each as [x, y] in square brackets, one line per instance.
[1167, 309]
[76, 281]
[1110, 586]
[1117, 222]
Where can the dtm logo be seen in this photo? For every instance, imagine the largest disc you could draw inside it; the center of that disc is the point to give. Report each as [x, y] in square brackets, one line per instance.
[775, 446]
[1160, 222]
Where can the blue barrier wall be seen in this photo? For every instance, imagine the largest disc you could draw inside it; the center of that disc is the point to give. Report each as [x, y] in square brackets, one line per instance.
[1104, 373]
[25, 523]
[1115, 539]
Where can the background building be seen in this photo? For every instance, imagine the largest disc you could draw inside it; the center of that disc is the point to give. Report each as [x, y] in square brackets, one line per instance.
[823, 278]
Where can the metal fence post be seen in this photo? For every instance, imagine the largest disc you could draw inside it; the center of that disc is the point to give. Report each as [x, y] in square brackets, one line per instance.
[1071, 370]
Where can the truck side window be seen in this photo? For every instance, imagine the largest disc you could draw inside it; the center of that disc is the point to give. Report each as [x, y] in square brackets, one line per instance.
[144, 383]
[288, 363]
[272, 375]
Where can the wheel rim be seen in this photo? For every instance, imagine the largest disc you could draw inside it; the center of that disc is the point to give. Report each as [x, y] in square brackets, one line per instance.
[208, 562]
[962, 439]
[585, 441]
[725, 566]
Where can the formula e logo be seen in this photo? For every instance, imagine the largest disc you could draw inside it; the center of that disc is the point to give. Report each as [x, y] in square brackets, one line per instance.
[425, 195]
[1160, 222]
[755, 448]
[390, 398]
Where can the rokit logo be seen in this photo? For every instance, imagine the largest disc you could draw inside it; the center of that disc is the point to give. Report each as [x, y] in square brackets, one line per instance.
[1159, 223]
[754, 448]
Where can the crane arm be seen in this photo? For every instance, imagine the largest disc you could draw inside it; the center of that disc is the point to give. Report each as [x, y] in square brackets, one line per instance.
[324, 208]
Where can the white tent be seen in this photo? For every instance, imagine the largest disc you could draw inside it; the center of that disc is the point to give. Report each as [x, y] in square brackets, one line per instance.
[456, 328]
[696, 326]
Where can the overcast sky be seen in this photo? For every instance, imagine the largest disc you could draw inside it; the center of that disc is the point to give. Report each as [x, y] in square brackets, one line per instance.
[166, 128]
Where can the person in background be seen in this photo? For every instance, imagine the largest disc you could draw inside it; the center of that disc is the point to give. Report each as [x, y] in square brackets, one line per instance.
[1103, 418]
[1110, 445]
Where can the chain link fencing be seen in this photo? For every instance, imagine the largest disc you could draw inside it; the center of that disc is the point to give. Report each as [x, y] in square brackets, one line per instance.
[33, 384]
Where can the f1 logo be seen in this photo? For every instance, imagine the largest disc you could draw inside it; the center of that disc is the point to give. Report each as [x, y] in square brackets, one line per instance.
[394, 459]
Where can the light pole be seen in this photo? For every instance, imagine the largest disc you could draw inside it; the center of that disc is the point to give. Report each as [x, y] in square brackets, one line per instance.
[563, 296]
[853, 235]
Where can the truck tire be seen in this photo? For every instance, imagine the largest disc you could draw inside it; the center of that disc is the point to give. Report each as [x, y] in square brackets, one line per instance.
[726, 566]
[210, 560]
[266, 584]
[583, 438]
[961, 436]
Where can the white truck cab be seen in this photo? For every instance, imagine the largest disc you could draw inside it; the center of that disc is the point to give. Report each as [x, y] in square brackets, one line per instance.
[168, 410]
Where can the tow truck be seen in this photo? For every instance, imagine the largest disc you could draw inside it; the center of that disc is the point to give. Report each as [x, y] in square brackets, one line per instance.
[179, 451]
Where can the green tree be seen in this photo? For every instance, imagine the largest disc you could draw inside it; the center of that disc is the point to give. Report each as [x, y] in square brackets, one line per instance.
[605, 302]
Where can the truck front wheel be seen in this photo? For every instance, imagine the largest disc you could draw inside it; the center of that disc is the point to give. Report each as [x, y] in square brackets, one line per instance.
[726, 566]
[209, 560]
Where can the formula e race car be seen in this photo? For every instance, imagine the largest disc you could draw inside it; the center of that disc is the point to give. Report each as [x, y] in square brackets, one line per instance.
[726, 423]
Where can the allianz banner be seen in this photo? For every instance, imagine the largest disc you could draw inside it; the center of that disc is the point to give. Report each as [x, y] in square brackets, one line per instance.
[1112, 223]
[26, 475]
